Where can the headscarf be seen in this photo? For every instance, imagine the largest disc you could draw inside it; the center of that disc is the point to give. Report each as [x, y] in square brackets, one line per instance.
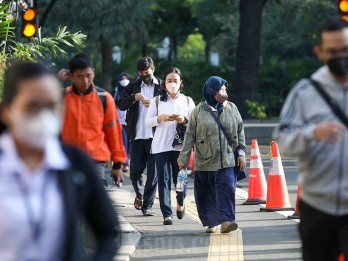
[119, 87]
[213, 83]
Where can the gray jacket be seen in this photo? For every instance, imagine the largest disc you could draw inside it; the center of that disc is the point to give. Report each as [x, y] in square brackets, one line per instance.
[323, 167]
[212, 151]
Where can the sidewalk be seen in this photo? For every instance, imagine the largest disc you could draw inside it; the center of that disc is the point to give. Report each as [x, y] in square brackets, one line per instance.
[262, 236]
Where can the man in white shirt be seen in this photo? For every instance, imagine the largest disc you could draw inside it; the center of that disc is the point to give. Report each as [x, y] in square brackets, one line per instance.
[136, 100]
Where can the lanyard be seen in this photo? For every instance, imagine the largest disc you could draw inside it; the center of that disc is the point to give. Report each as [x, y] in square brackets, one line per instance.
[36, 225]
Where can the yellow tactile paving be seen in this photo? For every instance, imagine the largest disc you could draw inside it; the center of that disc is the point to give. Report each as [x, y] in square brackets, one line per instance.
[222, 246]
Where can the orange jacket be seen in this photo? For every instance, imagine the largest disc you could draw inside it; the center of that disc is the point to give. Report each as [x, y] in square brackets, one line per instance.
[88, 127]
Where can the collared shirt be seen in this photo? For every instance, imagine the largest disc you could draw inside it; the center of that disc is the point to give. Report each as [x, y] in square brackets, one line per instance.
[16, 241]
[143, 132]
[165, 131]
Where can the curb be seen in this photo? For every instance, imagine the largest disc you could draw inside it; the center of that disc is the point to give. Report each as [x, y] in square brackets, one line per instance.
[130, 237]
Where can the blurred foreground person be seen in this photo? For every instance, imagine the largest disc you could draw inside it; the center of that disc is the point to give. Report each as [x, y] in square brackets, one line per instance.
[46, 188]
[312, 131]
[215, 177]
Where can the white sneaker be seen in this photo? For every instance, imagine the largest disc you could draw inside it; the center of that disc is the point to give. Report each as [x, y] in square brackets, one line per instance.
[211, 229]
[228, 226]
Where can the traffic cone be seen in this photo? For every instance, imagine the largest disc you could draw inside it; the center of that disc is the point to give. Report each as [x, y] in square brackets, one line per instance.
[277, 190]
[296, 215]
[257, 190]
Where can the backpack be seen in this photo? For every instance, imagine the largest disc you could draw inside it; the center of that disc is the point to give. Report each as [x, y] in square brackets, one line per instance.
[102, 96]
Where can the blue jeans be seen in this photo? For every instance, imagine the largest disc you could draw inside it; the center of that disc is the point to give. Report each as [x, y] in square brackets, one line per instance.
[141, 158]
[215, 196]
[167, 168]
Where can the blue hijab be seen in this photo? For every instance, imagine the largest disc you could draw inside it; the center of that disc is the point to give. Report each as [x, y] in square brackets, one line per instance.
[119, 87]
[213, 83]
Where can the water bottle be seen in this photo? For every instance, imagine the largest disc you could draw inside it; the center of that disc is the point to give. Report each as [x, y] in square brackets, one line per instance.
[182, 180]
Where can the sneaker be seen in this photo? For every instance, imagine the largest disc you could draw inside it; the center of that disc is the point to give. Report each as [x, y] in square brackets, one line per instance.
[228, 226]
[211, 230]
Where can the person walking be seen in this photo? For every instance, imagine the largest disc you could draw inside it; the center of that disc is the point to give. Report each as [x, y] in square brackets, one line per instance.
[46, 188]
[312, 132]
[122, 81]
[136, 99]
[91, 121]
[169, 113]
[215, 178]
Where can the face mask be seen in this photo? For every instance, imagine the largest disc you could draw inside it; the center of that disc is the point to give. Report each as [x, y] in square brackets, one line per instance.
[220, 98]
[124, 82]
[36, 130]
[172, 87]
[338, 66]
[146, 78]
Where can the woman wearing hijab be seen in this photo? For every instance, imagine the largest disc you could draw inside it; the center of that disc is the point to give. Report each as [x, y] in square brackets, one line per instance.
[122, 81]
[215, 178]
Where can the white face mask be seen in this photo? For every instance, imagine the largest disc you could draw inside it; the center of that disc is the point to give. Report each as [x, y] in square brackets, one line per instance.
[36, 130]
[173, 87]
[124, 82]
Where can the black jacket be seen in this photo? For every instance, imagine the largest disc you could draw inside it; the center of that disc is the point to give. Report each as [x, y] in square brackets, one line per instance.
[85, 199]
[129, 103]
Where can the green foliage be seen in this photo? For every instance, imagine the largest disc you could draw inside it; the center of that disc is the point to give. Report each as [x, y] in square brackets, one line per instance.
[38, 48]
[193, 47]
[256, 110]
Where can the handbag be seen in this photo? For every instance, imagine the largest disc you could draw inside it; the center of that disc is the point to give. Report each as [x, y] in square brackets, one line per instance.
[239, 173]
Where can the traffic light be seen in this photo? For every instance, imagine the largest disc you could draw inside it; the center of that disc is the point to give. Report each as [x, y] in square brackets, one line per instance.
[343, 9]
[29, 27]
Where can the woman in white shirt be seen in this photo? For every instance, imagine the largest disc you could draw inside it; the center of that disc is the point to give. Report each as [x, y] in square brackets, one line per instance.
[166, 111]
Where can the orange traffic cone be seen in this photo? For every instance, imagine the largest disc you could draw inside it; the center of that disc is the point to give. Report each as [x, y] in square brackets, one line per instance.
[257, 182]
[277, 191]
[341, 257]
[296, 215]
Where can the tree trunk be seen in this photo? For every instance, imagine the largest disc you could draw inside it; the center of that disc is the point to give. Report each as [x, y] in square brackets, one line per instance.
[107, 63]
[248, 53]
[207, 51]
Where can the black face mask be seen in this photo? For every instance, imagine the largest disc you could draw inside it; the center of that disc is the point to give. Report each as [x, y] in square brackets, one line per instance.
[338, 66]
[146, 78]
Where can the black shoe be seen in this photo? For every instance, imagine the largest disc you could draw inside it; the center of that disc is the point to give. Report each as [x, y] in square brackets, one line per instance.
[168, 221]
[180, 214]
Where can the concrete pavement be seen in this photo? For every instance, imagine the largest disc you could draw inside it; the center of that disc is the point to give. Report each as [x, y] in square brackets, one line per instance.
[262, 236]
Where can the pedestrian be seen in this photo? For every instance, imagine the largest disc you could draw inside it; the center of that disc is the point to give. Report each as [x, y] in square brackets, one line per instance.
[46, 188]
[136, 99]
[215, 178]
[313, 133]
[122, 81]
[169, 113]
[91, 121]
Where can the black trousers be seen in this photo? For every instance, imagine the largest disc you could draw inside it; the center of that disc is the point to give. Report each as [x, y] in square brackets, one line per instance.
[323, 236]
[140, 159]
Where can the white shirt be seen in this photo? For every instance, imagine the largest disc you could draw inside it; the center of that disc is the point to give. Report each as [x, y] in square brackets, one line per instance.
[165, 131]
[16, 241]
[141, 131]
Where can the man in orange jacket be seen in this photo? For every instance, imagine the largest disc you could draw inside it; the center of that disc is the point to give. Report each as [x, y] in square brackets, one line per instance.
[91, 121]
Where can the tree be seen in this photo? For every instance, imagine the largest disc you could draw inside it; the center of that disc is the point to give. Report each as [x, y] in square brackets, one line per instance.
[105, 22]
[37, 49]
[248, 53]
[173, 19]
